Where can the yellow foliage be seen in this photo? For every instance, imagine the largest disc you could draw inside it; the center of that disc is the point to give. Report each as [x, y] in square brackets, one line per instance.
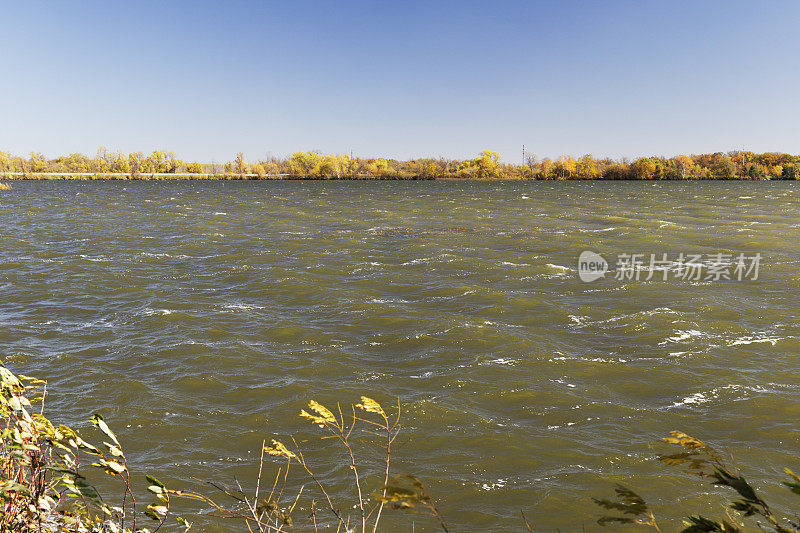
[371, 406]
[277, 448]
[682, 439]
[325, 415]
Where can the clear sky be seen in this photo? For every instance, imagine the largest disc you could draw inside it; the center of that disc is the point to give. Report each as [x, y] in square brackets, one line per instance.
[207, 79]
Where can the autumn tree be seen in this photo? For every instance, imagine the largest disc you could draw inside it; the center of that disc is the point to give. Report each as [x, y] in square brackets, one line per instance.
[546, 168]
[194, 168]
[135, 164]
[530, 164]
[724, 168]
[565, 167]
[718, 165]
[339, 163]
[643, 169]
[683, 167]
[618, 171]
[240, 165]
[305, 164]
[487, 164]
[119, 163]
[586, 168]
[37, 162]
[442, 166]
[100, 163]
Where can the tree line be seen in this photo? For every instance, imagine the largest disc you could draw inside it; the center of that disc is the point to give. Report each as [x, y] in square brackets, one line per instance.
[487, 165]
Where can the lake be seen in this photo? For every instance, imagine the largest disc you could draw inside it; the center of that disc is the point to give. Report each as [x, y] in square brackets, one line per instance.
[200, 317]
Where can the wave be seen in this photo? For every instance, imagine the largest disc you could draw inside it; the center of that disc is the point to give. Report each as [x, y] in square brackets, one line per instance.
[163, 255]
[682, 336]
[560, 268]
[755, 340]
[732, 393]
[162, 312]
[582, 230]
[97, 259]
[242, 307]
[425, 260]
[499, 361]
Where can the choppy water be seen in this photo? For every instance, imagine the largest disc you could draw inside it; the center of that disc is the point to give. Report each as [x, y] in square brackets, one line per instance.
[199, 317]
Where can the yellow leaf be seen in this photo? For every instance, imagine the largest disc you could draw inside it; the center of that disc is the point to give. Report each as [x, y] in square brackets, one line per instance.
[371, 406]
[277, 448]
[322, 418]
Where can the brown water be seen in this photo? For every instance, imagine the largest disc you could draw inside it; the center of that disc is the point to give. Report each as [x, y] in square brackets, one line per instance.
[199, 317]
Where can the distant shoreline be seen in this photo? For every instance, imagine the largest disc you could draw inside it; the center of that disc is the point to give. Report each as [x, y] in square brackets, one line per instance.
[161, 165]
[183, 176]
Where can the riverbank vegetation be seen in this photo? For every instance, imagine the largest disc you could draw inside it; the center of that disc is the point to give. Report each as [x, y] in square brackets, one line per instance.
[485, 166]
[748, 511]
[46, 473]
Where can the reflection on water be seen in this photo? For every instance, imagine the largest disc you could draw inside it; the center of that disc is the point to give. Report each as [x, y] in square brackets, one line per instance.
[199, 318]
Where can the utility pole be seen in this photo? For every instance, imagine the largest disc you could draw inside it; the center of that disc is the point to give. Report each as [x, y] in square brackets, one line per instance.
[523, 160]
[744, 163]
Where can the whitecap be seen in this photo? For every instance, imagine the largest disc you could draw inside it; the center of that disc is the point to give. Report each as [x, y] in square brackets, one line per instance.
[580, 320]
[100, 259]
[150, 312]
[754, 340]
[500, 483]
[242, 307]
[499, 361]
[682, 336]
[597, 230]
[696, 398]
[741, 392]
[605, 360]
[164, 255]
[388, 301]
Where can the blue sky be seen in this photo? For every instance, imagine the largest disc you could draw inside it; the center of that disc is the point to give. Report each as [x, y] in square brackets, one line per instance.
[405, 79]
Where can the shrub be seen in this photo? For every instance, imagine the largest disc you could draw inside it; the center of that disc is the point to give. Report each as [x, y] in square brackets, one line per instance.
[702, 460]
[43, 488]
